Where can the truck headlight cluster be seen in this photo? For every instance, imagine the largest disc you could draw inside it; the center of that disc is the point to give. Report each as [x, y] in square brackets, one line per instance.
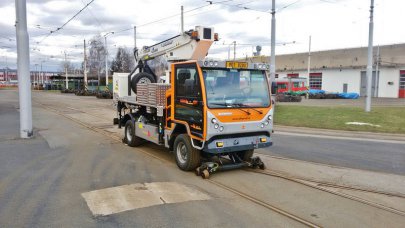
[216, 125]
[265, 123]
[211, 63]
[269, 117]
[263, 66]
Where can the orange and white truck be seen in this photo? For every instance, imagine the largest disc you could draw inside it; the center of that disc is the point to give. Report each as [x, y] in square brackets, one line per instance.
[211, 114]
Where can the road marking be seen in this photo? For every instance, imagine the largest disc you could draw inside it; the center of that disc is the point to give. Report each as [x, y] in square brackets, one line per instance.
[339, 137]
[129, 197]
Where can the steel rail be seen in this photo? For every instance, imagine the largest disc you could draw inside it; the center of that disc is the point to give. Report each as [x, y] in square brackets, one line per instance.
[241, 194]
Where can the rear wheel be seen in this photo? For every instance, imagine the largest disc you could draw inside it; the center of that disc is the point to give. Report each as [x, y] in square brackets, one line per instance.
[187, 157]
[130, 138]
[246, 155]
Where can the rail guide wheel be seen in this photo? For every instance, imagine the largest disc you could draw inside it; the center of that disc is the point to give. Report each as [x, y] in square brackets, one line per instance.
[205, 174]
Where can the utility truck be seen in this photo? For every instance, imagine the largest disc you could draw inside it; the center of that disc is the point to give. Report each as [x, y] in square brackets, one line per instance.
[211, 114]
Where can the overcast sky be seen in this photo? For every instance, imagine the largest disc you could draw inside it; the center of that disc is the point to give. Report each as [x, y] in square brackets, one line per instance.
[333, 24]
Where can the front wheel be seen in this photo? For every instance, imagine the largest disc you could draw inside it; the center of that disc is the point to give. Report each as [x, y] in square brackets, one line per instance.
[187, 157]
[130, 138]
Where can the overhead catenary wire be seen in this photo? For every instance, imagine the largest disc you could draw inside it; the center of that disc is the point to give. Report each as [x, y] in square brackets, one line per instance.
[67, 22]
[169, 17]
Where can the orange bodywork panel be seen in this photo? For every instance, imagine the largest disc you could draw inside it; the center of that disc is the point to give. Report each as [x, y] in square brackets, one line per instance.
[237, 115]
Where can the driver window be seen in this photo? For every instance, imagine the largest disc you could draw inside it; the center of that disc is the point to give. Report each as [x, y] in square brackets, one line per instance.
[188, 84]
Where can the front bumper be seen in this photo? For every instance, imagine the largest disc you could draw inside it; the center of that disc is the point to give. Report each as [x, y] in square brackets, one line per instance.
[233, 144]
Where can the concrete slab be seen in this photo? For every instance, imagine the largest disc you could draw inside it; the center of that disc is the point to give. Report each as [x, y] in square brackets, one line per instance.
[129, 197]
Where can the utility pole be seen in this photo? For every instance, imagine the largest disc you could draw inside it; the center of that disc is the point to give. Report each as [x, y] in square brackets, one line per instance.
[229, 51]
[134, 37]
[66, 73]
[182, 21]
[234, 50]
[377, 74]
[370, 58]
[273, 44]
[23, 62]
[40, 75]
[36, 75]
[106, 57]
[309, 67]
[85, 65]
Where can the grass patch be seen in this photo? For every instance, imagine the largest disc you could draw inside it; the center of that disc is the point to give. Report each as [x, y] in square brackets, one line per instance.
[391, 119]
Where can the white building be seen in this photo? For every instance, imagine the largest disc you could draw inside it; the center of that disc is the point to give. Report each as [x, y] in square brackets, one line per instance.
[344, 70]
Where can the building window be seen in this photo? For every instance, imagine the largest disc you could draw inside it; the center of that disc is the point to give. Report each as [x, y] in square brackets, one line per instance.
[402, 79]
[315, 80]
[293, 75]
[276, 76]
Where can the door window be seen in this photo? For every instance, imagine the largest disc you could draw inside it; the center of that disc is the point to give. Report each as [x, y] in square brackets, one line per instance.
[188, 98]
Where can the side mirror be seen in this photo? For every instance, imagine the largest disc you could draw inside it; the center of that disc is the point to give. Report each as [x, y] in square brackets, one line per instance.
[273, 88]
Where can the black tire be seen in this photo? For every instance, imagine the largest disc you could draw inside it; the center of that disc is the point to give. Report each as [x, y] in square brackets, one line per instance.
[245, 155]
[187, 157]
[141, 77]
[130, 138]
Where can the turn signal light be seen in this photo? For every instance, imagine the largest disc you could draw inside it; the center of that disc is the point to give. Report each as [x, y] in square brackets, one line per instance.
[220, 144]
[263, 140]
[216, 37]
[194, 34]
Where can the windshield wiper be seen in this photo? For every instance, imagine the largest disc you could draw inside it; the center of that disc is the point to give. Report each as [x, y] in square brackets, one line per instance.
[230, 105]
[247, 106]
[221, 104]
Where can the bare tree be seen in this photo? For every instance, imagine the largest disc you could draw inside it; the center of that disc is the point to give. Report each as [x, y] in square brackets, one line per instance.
[67, 65]
[96, 58]
[123, 61]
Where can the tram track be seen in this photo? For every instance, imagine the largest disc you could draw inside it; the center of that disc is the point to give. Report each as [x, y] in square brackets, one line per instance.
[322, 186]
[218, 184]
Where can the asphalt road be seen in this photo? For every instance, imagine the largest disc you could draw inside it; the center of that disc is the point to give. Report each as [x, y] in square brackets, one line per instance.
[42, 179]
[358, 154]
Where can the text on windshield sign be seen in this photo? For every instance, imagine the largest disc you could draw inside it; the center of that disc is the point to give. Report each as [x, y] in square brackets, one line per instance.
[232, 64]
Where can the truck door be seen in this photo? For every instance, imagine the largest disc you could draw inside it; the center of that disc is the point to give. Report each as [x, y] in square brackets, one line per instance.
[188, 99]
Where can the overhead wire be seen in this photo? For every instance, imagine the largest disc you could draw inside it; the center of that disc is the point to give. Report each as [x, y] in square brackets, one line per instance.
[67, 22]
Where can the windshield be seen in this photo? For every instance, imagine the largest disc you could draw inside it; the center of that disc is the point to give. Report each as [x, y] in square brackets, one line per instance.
[230, 88]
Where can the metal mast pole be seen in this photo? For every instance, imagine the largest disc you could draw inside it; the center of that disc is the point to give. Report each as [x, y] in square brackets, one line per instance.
[23, 72]
[309, 66]
[106, 61]
[370, 58]
[273, 44]
[234, 50]
[40, 75]
[182, 21]
[377, 74]
[135, 37]
[85, 65]
[66, 76]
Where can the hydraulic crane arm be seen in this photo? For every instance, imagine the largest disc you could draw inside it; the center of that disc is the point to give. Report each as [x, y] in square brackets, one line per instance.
[192, 45]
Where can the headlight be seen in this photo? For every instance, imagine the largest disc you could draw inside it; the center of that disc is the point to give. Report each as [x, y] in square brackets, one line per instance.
[270, 117]
[216, 126]
[215, 63]
[221, 128]
[214, 121]
[262, 125]
[211, 63]
[266, 123]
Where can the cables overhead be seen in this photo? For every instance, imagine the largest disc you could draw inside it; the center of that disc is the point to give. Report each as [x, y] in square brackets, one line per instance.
[67, 22]
[174, 15]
